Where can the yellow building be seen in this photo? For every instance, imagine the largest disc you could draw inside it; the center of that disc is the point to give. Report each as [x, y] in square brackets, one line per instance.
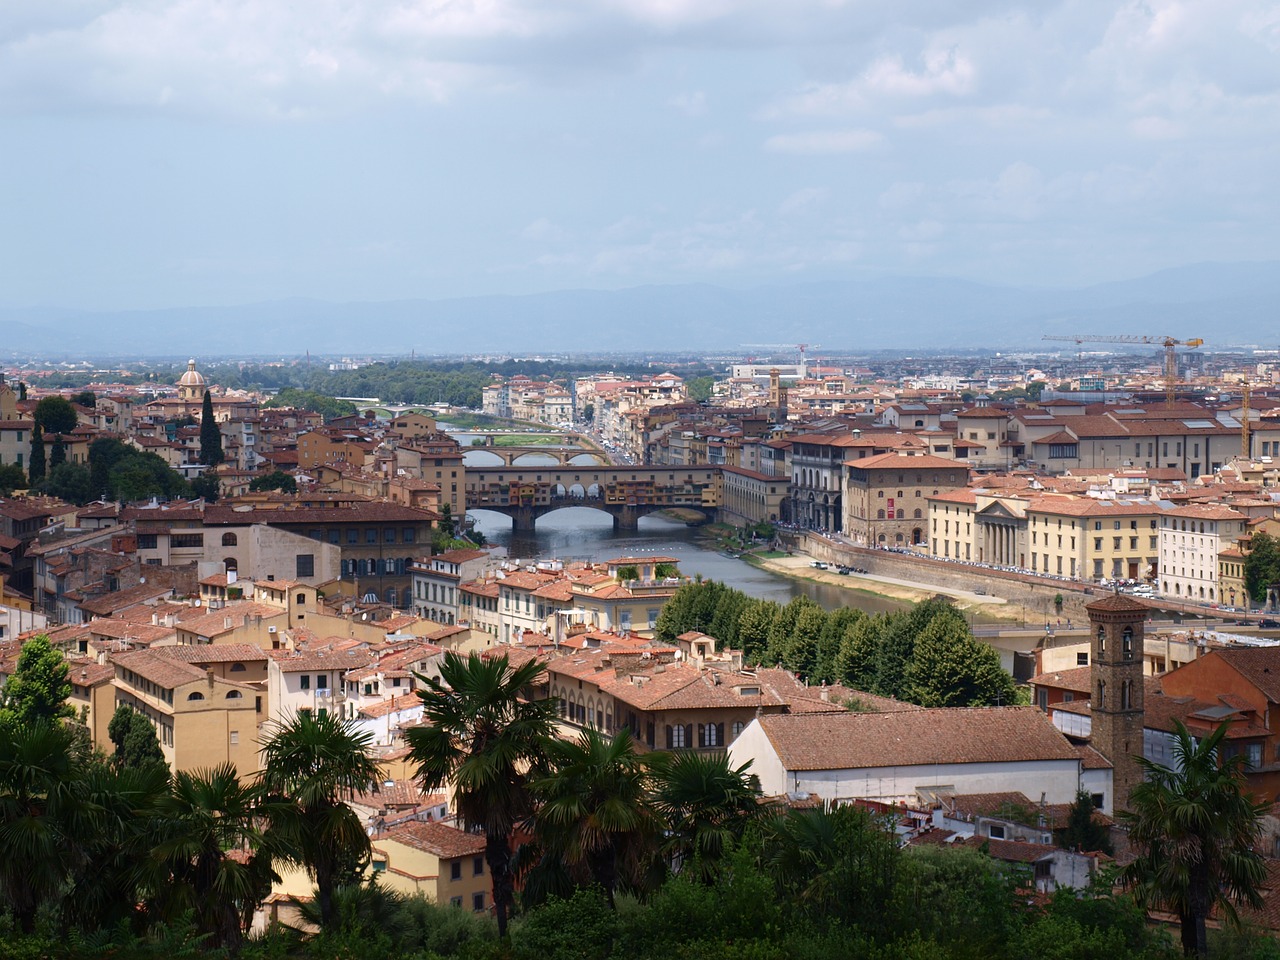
[444, 864]
[1089, 539]
[201, 720]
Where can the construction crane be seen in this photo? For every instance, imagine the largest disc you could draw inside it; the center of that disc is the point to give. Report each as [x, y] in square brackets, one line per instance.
[1170, 354]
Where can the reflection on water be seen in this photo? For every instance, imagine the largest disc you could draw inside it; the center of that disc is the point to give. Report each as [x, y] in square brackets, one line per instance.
[587, 534]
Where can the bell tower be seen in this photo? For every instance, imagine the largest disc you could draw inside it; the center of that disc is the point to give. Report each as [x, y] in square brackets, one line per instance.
[1116, 704]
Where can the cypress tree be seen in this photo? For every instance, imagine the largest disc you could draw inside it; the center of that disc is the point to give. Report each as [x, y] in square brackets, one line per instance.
[58, 454]
[210, 435]
[36, 469]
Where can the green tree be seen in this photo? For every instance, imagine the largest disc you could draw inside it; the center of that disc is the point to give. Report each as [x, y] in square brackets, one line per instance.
[594, 819]
[56, 415]
[1261, 566]
[12, 477]
[949, 668]
[1193, 828]
[208, 486]
[43, 819]
[36, 468]
[134, 738]
[70, 482]
[57, 453]
[275, 480]
[328, 407]
[85, 398]
[207, 818]
[483, 736]
[700, 388]
[1083, 831]
[38, 690]
[310, 764]
[210, 436]
[707, 804]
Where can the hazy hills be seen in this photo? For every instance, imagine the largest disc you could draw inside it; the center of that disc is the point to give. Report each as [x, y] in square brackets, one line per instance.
[1228, 304]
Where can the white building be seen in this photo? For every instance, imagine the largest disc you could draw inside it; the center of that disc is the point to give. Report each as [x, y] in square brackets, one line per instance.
[893, 757]
[1191, 538]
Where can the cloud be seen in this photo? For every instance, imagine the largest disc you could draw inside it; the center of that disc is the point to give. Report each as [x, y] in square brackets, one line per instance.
[820, 142]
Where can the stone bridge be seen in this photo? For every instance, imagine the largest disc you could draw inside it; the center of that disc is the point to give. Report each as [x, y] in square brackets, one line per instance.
[626, 493]
[564, 455]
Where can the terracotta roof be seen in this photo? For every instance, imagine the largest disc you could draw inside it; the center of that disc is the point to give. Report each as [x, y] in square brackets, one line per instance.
[1077, 680]
[889, 461]
[216, 653]
[291, 661]
[164, 671]
[437, 838]
[848, 741]
[1117, 603]
[1259, 665]
[111, 602]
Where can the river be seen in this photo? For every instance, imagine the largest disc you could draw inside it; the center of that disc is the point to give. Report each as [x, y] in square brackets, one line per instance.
[587, 534]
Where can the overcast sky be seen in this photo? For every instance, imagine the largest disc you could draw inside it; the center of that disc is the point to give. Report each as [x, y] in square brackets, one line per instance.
[186, 152]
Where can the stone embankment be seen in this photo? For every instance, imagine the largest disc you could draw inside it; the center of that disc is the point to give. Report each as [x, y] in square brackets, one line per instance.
[1035, 595]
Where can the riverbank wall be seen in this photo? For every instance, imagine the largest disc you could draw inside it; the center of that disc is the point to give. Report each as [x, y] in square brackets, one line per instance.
[1034, 594]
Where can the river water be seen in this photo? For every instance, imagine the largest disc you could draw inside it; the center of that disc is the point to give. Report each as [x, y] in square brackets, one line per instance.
[581, 533]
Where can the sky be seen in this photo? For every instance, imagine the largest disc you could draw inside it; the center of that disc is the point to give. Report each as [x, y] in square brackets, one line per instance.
[204, 152]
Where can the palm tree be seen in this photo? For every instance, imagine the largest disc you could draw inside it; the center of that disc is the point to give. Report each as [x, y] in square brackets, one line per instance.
[44, 820]
[125, 802]
[706, 803]
[204, 859]
[1194, 828]
[595, 819]
[482, 737]
[310, 763]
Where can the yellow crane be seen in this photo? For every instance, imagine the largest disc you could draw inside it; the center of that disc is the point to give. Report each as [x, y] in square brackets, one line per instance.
[1169, 343]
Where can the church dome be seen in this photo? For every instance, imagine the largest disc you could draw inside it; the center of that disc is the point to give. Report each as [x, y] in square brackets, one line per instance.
[193, 377]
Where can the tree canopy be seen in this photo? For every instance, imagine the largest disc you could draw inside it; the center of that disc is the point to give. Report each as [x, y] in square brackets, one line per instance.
[1261, 566]
[38, 690]
[1194, 829]
[56, 415]
[210, 435]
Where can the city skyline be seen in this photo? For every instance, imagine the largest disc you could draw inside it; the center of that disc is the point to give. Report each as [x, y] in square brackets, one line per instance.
[209, 154]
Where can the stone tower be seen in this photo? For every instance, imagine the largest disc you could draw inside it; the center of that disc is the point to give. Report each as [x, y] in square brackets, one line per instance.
[777, 397]
[1117, 699]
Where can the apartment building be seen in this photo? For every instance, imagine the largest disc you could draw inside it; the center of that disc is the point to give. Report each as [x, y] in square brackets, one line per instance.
[1191, 539]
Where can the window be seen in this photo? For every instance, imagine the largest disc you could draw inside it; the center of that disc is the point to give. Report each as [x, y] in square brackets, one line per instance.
[353, 535]
[186, 540]
[146, 541]
[477, 902]
[1082, 659]
[304, 682]
[322, 681]
[477, 866]
[455, 901]
[306, 565]
[197, 695]
[229, 540]
[737, 730]
[995, 831]
[1063, 451]
[1126, 643]
[407, 534]
[234, 695]
[371, 535]
[455, 870]
[335, 535]
[233, 737]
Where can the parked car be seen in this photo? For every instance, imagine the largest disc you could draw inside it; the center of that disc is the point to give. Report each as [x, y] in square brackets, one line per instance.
[1267, 623]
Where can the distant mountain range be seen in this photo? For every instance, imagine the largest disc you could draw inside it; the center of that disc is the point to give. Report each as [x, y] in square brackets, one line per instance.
[1227, 304]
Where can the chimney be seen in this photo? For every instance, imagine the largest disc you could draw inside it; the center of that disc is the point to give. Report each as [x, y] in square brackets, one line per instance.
[208, 675]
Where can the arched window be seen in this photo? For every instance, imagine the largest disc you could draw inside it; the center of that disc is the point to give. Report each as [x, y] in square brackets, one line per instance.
[902, 514]
[879, 514]
[238, 668]
[229, 540]
[1102, 639]
[1126, 642]
[196, 695]
[234, 695]
[231, 563]
[1102, 694]
[1126, 695]
[916, 514]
